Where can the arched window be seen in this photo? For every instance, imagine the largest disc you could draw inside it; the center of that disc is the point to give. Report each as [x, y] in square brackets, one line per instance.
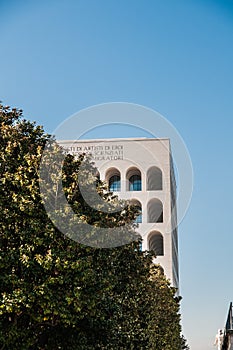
[154, 179]
[113, 178]
[139, 217]
[138, 206]
[155, 243]
[134, 179]
[115, 183]
[155, 211]
[135, 183]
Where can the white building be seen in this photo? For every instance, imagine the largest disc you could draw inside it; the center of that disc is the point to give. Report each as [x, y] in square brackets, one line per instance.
[141, 170]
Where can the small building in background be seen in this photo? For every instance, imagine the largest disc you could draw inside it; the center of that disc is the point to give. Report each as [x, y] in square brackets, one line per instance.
[228, 331]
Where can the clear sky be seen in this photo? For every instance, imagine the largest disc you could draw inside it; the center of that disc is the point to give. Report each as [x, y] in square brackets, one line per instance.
[174, 56]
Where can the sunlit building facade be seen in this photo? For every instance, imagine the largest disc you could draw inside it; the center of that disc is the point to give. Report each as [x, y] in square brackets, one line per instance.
[141, 170]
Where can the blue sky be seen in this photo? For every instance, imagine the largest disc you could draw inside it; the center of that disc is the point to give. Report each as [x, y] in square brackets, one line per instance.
[174, 56]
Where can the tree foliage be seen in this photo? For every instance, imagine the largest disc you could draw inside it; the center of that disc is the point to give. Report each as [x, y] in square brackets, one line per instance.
[57, 293]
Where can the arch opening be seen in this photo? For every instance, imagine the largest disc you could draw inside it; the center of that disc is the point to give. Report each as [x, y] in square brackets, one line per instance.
[113, 178]
[155, 211]
[155, 243]
[138, 206]
[154, 179]
[134, 179]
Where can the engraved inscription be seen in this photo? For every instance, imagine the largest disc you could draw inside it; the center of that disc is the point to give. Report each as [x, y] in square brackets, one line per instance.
[99, 152]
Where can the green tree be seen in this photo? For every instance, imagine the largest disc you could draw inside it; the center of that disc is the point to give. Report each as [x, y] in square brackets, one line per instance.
[184, 344]
[164, 322]
[55, 292]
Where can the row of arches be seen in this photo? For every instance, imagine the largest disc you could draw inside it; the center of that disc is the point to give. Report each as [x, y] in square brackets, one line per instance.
[154, 210]
[154, 179]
